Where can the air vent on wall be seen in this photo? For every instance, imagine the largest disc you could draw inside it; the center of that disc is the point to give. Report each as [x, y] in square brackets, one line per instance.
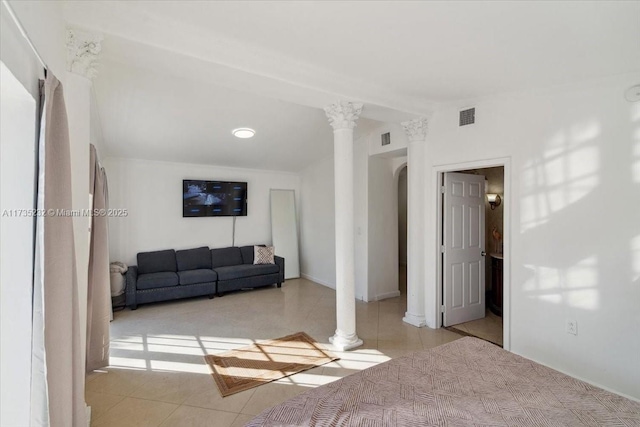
[467, 117]
[386, 138]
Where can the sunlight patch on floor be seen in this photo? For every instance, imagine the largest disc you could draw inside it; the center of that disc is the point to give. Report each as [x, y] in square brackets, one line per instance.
[128, 363]
[307, 380]
[165, 365]
[154, 353]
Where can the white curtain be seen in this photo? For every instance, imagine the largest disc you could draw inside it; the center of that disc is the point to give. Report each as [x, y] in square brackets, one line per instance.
[99, 291]
[57, 394]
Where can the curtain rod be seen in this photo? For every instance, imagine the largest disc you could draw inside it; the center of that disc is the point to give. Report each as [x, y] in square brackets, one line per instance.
[24, 33]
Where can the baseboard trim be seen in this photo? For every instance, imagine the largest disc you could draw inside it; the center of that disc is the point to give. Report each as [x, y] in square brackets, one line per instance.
[88, 412]
[317, 280]
[387, 295]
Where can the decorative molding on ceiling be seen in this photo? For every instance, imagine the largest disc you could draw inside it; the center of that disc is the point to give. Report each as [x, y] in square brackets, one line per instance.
[343, 114]
[416, 129]
[83, 49]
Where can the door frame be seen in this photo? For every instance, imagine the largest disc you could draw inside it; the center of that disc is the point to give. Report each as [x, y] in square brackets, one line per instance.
[437, 179]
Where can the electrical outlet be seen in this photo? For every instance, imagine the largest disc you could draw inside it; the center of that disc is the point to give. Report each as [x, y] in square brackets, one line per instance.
[572, 327]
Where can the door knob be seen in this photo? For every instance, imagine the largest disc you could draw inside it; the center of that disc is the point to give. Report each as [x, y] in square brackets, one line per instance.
[483, 253]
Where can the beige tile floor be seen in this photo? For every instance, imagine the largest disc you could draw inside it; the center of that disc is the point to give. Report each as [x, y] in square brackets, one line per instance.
[488, 328]
[158, 377]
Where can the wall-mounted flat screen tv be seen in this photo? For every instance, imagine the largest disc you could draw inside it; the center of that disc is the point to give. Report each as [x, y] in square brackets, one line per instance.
[213, 198]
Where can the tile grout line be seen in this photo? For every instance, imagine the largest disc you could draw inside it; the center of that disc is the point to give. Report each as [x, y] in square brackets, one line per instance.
[168, 415]
[247, 402]
[105, 412]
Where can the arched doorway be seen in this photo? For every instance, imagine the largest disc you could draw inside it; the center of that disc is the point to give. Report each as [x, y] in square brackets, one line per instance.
[402, 230]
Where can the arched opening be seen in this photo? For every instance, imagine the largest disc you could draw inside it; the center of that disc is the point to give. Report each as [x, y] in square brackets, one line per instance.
[402, 230]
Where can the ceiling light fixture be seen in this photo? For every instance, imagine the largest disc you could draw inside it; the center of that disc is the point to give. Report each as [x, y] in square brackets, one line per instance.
[243, 133]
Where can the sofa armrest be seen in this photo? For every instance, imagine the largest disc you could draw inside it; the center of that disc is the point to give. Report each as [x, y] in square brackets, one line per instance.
[132, 286]
[280, 261]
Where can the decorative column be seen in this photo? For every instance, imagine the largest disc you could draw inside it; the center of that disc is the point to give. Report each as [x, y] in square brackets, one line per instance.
[416, 131]
[83, 54]
[342, 117]
[83, 50]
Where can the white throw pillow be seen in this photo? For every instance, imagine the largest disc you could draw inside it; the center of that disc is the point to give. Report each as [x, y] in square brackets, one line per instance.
[263, 255]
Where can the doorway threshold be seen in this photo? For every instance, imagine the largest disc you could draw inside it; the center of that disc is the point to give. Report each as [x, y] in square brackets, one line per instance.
[488, 328]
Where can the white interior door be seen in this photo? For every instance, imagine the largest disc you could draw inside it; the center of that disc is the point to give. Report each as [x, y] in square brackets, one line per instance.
[464, 251]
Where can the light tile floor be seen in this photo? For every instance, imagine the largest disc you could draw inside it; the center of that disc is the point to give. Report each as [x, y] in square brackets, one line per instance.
[158, 376]
[488, 328]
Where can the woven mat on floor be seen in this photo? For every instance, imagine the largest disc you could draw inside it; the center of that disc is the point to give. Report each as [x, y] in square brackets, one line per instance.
[265, 361]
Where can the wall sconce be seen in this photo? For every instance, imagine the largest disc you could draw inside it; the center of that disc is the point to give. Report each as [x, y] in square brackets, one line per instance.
[494, 200]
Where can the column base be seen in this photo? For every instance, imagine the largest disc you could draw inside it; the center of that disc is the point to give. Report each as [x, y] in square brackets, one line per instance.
[343, 343]
[415, 320]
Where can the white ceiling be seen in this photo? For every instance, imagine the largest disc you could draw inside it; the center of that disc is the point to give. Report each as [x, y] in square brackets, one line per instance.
[178, 76]
[152, 114]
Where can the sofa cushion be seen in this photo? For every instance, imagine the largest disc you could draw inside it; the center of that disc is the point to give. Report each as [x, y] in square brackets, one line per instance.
[193, 259]
[157, 261]
[224, 257]
[247, 254]
[191, 277]
[157, 280]
[245, 270]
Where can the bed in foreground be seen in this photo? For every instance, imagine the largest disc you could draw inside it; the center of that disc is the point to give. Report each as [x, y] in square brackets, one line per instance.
[468, 382]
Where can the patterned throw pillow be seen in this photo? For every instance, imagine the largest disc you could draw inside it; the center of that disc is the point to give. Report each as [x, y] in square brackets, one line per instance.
[263, 255]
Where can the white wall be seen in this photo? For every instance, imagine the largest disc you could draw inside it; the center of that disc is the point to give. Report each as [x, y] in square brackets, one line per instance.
[575, 233]
[317, 224]
[361, 213]
[43, 22]
[151, 191]
[383, 229]
[17, 183]
[45, 25]
[398, 145]
[17, 55]
[318, 250]
[77, 94]
[96, 137]
[376, 243]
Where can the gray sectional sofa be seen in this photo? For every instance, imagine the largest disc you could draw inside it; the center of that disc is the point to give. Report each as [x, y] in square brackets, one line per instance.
[169, 274]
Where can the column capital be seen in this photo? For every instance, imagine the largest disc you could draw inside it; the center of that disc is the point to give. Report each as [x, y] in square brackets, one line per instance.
[83, 49]
[343, 114]
[416, 129]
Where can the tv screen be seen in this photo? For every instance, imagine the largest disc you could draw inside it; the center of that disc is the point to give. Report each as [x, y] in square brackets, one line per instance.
[213, 198]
